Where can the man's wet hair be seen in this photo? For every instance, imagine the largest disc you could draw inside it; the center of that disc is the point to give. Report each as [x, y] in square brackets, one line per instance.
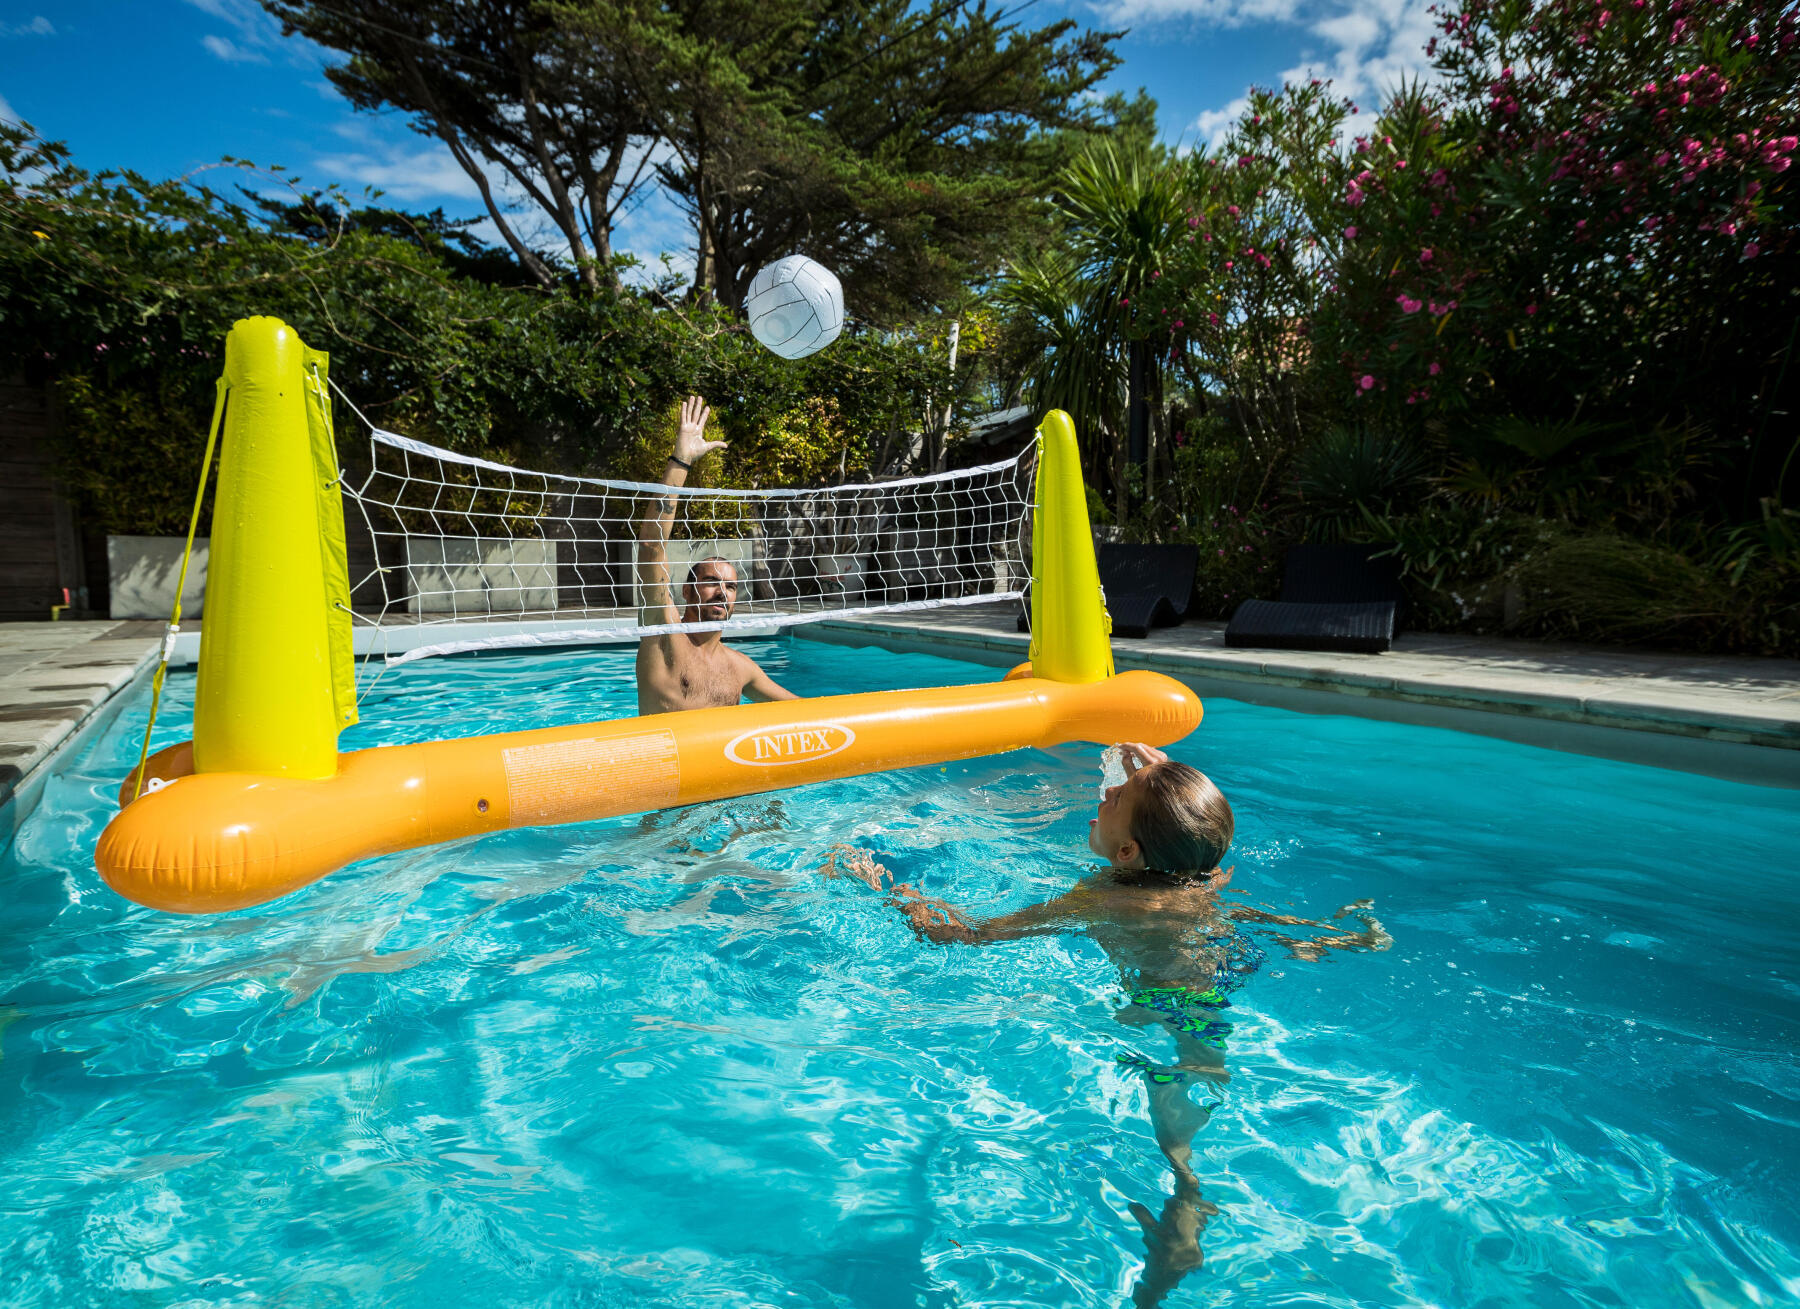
[1182, 822]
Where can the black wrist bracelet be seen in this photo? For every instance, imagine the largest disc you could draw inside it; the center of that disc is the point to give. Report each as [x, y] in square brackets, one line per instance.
[682, 464]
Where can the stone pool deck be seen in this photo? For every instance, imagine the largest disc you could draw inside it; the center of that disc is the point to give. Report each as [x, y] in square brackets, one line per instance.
[58, 681]
[1730, 717]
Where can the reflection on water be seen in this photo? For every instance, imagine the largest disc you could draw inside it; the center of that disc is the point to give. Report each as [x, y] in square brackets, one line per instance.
[663, 1061]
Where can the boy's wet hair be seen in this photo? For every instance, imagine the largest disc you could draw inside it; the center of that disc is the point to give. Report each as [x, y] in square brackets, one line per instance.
[1182, 822]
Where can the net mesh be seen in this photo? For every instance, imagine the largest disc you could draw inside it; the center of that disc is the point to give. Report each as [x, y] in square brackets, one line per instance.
[513, 557]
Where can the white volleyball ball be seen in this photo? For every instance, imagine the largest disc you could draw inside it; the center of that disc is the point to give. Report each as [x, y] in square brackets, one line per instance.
[795, 306]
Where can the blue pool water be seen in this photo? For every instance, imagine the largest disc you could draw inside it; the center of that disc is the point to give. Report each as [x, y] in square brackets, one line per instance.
[663, 1062]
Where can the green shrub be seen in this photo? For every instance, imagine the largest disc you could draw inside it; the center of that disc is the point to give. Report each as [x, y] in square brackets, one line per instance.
[1351, 472]
[1610, 588]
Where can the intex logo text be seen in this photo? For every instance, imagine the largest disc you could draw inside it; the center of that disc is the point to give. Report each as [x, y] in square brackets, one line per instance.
[767, 747]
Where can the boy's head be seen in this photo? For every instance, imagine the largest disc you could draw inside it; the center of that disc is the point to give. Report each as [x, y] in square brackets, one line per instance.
[1168, 817]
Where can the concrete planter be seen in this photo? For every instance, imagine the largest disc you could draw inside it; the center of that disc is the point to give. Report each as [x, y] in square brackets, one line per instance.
[460, 575]
[142, 570]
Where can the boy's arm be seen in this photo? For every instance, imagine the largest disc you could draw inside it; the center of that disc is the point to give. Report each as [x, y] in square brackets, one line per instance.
[1373, 935]
[934, 920]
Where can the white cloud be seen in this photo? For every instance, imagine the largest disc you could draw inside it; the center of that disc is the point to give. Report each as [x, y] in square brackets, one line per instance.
[1213, 124]
[1351, 31]
[224, 48]
[251, 20]
[8, 113]
[39, 26]
[653, 228]
[412, 174]
[256, 35]
[1366, 49]
[1214, 13]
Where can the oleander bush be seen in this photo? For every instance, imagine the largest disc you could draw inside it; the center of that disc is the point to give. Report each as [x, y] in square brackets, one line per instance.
[1533, 326]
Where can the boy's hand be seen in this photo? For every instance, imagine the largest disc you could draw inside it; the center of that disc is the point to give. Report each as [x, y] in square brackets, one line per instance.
[1138, 755]
[931, 919]
[691, 444]
[848, 861]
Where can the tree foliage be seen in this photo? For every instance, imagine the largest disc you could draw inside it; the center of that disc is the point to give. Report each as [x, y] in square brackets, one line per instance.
[507, 85]
[117, 292]
[904, 150]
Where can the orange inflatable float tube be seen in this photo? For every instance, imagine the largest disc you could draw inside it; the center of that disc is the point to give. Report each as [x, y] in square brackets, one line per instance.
[261, 802]
[245, 839]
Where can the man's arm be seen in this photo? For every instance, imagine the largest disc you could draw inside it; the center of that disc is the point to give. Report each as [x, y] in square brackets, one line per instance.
[656, 596]
[761, 688]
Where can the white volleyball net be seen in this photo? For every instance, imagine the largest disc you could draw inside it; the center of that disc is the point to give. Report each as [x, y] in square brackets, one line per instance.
[450, 553]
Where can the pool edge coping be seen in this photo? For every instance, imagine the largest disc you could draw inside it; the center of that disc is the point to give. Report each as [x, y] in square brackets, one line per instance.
[19, 796]
[1755, 749]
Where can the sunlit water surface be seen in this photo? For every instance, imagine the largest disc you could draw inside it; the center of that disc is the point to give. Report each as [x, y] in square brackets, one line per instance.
[663, 1062]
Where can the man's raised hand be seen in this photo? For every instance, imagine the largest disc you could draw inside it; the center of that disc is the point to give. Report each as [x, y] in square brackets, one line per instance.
[691, 444]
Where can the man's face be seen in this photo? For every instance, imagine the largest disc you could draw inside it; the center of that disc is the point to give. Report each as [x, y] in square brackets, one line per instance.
[712, 591]
[1109, 830]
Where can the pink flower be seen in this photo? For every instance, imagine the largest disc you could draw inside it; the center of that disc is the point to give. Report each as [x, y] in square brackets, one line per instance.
[1367, 383]
[1435, 369]
[1213, 319]
[1193, 222]
[1407, 304]
[1530, 311]
[1349, 233]
[1229, 265]
[1232, 210]
[1752, 250]
[1425, 255]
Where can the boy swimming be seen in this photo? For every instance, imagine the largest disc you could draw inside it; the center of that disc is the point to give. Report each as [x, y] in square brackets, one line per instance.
[1155, 911]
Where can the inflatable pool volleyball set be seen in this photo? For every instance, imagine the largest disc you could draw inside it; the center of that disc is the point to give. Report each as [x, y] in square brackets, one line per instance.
[261, 803]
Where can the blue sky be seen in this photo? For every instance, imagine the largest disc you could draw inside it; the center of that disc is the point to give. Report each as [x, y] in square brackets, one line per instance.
[169, 86]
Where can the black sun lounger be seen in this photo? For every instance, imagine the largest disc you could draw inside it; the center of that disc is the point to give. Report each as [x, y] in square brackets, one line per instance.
[1146, 586]
[1333, 597]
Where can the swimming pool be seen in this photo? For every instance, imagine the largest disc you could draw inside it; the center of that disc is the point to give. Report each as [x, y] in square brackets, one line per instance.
[662, 1062]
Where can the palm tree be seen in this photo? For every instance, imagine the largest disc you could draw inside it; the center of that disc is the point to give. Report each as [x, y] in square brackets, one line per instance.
[1121, 212]
[1067, 364]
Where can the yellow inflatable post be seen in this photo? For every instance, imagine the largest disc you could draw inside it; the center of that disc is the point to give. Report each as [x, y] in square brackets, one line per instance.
[1070, 628]
[277, 677]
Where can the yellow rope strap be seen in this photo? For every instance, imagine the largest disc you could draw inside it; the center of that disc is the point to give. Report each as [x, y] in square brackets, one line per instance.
[174, 628]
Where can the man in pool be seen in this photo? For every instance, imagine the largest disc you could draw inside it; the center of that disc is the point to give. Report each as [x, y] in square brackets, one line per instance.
[1155, 911]
[689, 670]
